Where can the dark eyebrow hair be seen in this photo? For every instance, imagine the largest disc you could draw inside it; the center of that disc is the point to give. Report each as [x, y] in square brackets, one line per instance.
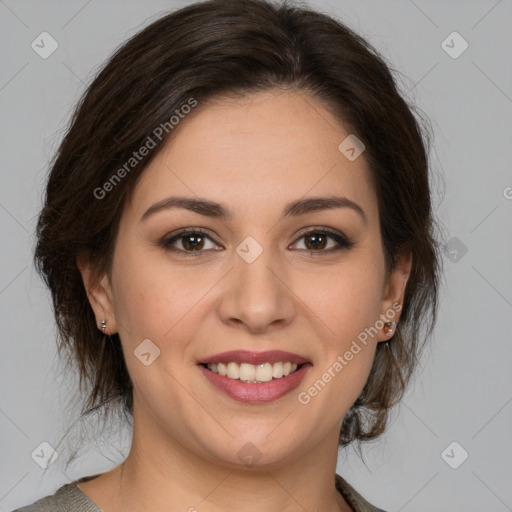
[217, 211]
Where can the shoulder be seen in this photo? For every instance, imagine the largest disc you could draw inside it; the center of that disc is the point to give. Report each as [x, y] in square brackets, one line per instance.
[68, 498]
[358, 503]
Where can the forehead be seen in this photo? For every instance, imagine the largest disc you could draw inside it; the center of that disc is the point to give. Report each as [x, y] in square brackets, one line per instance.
[257, 153]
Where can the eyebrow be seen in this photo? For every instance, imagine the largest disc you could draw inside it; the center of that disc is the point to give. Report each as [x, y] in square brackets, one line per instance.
[217, 211]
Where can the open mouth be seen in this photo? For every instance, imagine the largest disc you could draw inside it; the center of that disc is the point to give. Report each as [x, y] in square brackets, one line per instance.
[254, 374]
[255, 377]
[257, 383]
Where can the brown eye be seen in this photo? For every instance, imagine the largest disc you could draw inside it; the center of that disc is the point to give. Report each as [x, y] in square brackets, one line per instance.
[193, 242]
[317, 241]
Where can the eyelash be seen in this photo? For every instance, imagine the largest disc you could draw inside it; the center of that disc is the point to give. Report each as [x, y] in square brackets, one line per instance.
[341, 239]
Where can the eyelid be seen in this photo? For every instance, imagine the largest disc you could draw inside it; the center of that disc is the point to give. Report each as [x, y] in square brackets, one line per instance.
[322, 229]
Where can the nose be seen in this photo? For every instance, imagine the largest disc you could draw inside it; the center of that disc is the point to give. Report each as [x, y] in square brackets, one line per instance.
[256, 296]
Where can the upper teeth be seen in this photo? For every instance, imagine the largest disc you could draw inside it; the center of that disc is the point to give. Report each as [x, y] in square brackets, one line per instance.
[253, 373]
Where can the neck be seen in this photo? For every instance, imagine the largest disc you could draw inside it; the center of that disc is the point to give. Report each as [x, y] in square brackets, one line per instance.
[160, 470]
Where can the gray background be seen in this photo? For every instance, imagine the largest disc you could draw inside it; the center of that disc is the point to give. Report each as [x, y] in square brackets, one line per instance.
[463, 391]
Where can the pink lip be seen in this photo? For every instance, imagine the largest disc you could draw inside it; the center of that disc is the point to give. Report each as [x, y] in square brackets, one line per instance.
[259, 392]
[246, 356]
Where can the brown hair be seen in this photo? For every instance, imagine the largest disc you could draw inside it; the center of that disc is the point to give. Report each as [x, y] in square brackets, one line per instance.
[224, 48]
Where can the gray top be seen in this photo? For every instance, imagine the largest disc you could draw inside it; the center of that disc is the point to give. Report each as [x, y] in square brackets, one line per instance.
[69, 498]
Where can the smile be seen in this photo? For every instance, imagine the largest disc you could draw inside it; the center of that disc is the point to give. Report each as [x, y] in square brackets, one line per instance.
[250, 373]
[255, 377]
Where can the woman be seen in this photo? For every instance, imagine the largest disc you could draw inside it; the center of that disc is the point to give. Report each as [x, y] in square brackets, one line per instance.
[238, 238]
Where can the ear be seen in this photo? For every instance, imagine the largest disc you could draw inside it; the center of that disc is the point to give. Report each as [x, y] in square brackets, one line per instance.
[394, 292]
[99, 293]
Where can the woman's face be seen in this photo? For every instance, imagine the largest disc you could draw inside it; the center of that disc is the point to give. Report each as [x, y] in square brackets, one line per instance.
[252, 281]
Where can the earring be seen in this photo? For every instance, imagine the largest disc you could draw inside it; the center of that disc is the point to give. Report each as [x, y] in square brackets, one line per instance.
[389, 328]
[103, 325]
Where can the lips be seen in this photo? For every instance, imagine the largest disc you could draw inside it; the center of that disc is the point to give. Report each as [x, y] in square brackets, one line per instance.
[246, 356]
[261, 392]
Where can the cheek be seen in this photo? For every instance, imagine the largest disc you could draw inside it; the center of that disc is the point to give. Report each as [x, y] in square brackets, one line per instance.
[346, 304]
[153, 302]
[151, 298]
[346, 299]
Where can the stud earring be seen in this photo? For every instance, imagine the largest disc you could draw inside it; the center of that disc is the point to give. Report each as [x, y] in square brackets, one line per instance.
[389, 328]
[103, 325]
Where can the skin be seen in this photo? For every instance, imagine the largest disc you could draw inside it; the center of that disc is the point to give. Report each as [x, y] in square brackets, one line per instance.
[254, 155]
